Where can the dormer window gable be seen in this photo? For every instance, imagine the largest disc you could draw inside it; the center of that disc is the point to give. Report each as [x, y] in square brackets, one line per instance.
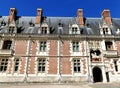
[44, 29]
[74, 29]
[60, 28]
[11, 29]
[106, 31]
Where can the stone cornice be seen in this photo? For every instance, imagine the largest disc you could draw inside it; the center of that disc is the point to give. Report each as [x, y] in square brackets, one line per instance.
[59, 37]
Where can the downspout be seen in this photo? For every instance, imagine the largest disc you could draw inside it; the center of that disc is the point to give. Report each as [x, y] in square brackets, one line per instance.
[27, 61]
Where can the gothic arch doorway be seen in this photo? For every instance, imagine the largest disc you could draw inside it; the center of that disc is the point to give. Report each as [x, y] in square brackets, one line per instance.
[97, 74]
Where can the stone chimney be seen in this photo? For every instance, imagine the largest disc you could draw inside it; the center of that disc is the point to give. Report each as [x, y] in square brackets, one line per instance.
[38, 16]
[12, 15]
[106, 16]
[80, 17]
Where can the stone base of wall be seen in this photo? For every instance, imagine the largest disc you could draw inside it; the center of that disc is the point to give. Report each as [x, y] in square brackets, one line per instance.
[57, 79]
[115, 78]
[12, 79]
[44, 79]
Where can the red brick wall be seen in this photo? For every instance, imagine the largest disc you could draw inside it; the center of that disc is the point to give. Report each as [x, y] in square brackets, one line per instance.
[66, 66]
[21, 47]
[52, 69]
[65, 48]
[53, 61]
[22, 65]
[53, 47]
[32, 67]
[34, 48]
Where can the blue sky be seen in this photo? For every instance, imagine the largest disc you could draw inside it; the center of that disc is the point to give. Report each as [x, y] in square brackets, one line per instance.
[91, 8]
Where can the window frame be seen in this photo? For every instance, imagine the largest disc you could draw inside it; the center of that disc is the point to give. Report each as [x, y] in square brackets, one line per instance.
[41, 65]
[43, 30]
[11, 29]
[7, 44]
[3, 64]
[105, 31]
[42, 46]
[75, 46]
[16, 64]
[74, 30]
[76, 65]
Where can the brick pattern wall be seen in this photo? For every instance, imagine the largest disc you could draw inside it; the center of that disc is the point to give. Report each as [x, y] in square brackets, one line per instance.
[65, 48]
[53, 66]
[53, 61]
[21, 47]
[22, 65]
[66, 66]
[32, 65]
[33, 48]
[53, 48]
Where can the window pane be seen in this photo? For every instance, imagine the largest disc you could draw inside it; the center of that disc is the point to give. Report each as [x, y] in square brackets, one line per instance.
[16, 67]
[75, 46]
[43, 46]
[76, 64]
[41, 64]
[78, 69]
[75, 69]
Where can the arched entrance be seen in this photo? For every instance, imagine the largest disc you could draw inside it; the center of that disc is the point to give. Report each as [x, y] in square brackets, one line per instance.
[97, 74]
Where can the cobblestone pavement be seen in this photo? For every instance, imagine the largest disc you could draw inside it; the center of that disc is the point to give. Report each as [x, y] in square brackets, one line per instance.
[80, 85]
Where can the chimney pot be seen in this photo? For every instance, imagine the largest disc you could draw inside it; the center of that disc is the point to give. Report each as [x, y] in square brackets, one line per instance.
[106, 16]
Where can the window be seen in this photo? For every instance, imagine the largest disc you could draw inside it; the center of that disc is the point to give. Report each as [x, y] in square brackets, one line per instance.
[7, 44]
[3, 65]
[43, 46]
[108, 45]
[75, 46]
[44, 30]
[41, 64]
[115, 64]
[76, 65]
[11, 30]
[105, 31]
[74, 30]
[16, 64]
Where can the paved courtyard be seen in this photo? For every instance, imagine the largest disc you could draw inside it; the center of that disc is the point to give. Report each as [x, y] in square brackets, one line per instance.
[81, 85]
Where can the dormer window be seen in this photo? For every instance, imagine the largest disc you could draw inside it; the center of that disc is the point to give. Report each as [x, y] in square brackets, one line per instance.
[3, 23]
[11, 29]
[74, 30]
[105, 31]
[44, 30]
[60, 28]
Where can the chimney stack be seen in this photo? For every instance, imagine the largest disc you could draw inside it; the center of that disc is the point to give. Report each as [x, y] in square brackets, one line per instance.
[12, 15]
[38, 16]
[80, 17]
[106, 16]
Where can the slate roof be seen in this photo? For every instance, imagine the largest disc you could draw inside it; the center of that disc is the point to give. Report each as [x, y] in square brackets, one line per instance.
[26, 24]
